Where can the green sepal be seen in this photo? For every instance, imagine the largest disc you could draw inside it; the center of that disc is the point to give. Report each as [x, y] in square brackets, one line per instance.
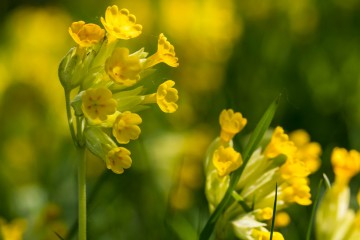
[98, 142]
[76, 103]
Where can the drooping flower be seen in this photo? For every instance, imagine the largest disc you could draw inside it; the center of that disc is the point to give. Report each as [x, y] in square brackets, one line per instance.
[346, 164]
[118, 159]
[86, 34]
[226, 160]
[97, 103]
[126, 127]
[120, 24]
[166, 97]
[165, 53]
[231, 123]
[123, 68]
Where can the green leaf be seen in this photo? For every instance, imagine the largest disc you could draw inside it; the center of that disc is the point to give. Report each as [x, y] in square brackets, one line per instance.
[253, 143]
[313, 210]
[274, 213]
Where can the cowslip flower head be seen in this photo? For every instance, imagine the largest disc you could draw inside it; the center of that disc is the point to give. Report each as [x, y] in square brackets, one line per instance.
[124, 69]
[86, 34]
[126, 127]
[297, 191]
[346, 164]
[165, 53]
[118, 159]
[166, 97]
[231, 123]
[265, 235]
[280, 144]
[97, 103]
[120, 24]
[226, 160]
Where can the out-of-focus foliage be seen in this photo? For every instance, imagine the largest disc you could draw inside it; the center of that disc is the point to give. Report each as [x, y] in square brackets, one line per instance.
[232, 53]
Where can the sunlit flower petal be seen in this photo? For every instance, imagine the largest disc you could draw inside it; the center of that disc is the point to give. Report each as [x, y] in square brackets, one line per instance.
[231, 123]
[86, 34]
[118, 159]
[120, 23]
[97, 103]
[226, 160]
[126, 127]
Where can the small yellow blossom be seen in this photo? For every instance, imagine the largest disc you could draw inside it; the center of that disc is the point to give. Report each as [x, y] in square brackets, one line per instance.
[118, 159]
[166, 97]
[98, 103]
[294, 168]
[231, 123]
[265, 235]
[264, 214]
[123, 68]
[165, 53]
[308, 152]
[280, 144]
[120, 23]
[345, 163]
[282, 219]
[86, 34]
[13, 230]
[298, 191]
[226, 160]
[126, 127]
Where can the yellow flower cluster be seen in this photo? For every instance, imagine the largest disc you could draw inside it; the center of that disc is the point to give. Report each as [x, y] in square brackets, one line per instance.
[334, 217]
[285, 160]
[107, 78]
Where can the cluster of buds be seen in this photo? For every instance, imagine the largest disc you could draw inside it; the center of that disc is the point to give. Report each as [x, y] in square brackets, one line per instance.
[283, 160]
[334, 217]
[107, 79]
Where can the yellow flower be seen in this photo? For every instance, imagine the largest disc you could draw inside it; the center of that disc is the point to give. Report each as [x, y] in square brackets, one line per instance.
[86, 34]
[282, 219]
[120, 23]
[345, 163]
[226, 160]
[165, 53]
[123, 68]
[264, 214]
[280, 144]
[265, 235]
[118, 159]
[294, 168]
[166, 97]
[308, 152]
[231, 123]
[13, 230]
[297, 191]
[126, 127]
[97, 103]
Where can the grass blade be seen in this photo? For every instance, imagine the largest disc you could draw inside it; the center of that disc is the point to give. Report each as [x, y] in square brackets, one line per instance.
[253, 143]
[312, 217]
[274, 213]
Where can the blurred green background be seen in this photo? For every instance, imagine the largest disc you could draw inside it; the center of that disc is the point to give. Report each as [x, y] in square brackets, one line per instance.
[233, 54]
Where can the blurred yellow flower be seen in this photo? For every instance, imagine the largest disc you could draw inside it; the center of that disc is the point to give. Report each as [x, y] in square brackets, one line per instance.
[165, 53]
[120, 23]
[13, 230]
[346, 164]
[297, 191]
[86, 34]
[118, 159]
[123, 68]
[265, 235]
[308, 152]
[282, 219]
[98, 103]
[126, 127]
[280, 144]
[231, 123]
[264, 214]
[166, 97]
[226, 160]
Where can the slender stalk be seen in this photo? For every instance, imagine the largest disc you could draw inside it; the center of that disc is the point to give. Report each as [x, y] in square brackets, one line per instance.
[70, 118]
[82, 194]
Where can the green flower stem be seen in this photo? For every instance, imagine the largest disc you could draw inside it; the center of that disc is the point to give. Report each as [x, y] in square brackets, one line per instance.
[70, 118]
[82, 194]
[78, 141]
